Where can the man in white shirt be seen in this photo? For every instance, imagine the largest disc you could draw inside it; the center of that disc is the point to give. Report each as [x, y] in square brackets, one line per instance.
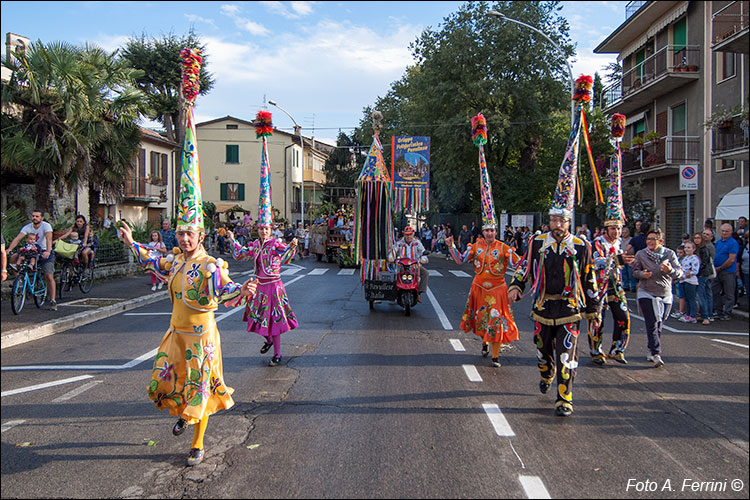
[410, 248]
[43, 231]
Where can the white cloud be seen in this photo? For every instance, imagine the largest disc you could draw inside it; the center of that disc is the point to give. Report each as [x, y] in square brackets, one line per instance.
[233, 11]
[230, 10]
[298, 10]
[198, 19]
[109, 43]
[302, 8]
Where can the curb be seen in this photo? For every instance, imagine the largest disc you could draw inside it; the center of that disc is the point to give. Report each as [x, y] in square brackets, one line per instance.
[23, 335]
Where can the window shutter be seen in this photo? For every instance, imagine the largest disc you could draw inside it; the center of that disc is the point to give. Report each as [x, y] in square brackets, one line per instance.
[241, 192]
[142, 163]
[223, 191]
[164, 169]
[679, 34]
[232, 153]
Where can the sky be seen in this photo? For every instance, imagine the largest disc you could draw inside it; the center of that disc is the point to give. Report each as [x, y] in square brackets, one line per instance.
[323, 62]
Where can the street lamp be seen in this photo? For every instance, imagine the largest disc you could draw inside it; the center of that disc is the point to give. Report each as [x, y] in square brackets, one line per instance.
[298, 130]
[501, 16]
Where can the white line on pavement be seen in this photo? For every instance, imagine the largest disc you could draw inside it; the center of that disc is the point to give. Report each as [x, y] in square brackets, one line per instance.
[434, 272]
[291, 271]
[472, 373]
[45, 386]
[498, 420]
[77, 391]
[10, 424]
[534, 487]
[346, 272]
[730, 343]
[457, 345]
[439, 310]
[148, 314]
[704, 332]
[460, 274]
[318, 271]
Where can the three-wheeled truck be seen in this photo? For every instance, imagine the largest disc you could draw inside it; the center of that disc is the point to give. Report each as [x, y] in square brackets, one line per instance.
[326, 241]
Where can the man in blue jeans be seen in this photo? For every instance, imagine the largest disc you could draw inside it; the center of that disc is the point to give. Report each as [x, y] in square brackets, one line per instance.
[725, 263]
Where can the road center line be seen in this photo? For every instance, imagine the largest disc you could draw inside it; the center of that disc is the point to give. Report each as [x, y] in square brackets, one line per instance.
[439, 310]
[472, 373]
[534, 487]
[730, 343]
[10, 424]
[45, 385]
[457, 345]
[498, 420]
[75, 392]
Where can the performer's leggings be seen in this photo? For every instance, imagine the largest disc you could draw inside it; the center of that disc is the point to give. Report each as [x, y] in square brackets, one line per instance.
[621, 333]
[561, 340]
[198, 432]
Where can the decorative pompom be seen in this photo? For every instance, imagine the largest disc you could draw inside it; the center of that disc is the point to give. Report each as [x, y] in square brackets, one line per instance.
[263, 125]
[479, 130]
[618, 125]
[211, 267]
[168, 266]
[191, 68]
[220, 262]
[584, 84]
[176, 250]
[207, 274]
[170, 257]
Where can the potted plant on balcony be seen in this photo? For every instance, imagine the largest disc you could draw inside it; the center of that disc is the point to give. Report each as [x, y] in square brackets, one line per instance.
[625, 146]
[638, 142]
[692, 68]
[654, 159]
[653, 137]
[722, 117]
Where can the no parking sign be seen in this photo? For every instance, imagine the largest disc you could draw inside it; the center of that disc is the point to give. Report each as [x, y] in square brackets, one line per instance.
[688, 177]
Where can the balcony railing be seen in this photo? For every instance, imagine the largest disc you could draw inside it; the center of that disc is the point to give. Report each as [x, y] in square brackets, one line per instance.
[729, 20]
[632, 7]
[730, 136]
[668, 59]
[137, 187]
[669, 150]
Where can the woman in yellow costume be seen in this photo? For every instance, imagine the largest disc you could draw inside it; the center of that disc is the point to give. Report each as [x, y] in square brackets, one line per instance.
[187, 377]
[488, 313]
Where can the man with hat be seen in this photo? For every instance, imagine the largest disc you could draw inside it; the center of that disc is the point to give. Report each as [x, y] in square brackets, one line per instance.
[410, 248]
[563, 282]
[609, 259]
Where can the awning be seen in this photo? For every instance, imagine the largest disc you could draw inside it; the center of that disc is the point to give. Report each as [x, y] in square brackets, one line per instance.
[225, 207]
[733, 205]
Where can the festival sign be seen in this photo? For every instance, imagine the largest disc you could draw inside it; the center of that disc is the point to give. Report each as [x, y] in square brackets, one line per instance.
[410, 170]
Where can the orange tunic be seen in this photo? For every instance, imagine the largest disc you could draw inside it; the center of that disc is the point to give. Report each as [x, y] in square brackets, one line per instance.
[488, 313]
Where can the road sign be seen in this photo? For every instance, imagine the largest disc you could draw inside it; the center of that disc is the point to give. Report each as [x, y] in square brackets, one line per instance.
[688, 177]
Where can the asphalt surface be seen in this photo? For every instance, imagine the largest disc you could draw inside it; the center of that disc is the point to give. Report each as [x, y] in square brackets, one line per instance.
[375, 404]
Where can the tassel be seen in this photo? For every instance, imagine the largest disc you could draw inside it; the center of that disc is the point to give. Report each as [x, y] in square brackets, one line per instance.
[618, 126]
[191, 68]
[583, 86]
[263, 125]
[479, 130]
[599, 197]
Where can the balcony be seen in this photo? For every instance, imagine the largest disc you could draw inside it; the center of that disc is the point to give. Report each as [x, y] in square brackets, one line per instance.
[315, 176]
[633, 7]
[730, 140]
[662, 157]
[730, 28]
[669, 68]
[138, 190]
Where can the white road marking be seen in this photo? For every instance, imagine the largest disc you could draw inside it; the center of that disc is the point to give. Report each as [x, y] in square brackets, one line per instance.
[730, 343]
[523, 466]
[45, 385]
[290, 272]
[10, 424]
[460, 274]
[457, 345]
[148, 314]
[77, 391]
[534, 487]
[434, 272]
[704, 332]
[439, 310]
[318, 271]
[346, 272]
[472, 373]
[501, 425]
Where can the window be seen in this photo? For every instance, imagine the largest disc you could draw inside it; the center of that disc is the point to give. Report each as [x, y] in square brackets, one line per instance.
[679, 119]
[159, 168]
[233, 153]
[232, 126]
[639, 128]
[679, 41]
[725, 65]
[232, 191]
[722, 165]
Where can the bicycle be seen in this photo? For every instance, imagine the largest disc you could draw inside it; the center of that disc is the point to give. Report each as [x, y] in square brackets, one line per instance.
[73, 272]
[28, 280]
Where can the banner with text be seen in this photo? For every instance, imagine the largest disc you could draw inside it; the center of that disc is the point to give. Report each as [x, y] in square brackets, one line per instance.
[410, 171]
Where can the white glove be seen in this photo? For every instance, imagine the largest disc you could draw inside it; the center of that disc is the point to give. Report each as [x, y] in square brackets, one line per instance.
[423, 260]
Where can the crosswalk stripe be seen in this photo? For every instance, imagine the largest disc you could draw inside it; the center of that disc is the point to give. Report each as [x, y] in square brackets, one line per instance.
[534, 487]
[459, 274]
[10, 424]
[457, 345]
[346, 272]
[291, 271]
[472, 373]
[318, 270]
[498, 420]
[433, 272]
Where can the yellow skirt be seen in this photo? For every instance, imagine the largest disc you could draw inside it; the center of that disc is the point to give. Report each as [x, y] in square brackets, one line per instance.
[187, 378]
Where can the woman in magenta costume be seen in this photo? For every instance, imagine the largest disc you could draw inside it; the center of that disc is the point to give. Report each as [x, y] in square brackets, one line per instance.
[269, 313]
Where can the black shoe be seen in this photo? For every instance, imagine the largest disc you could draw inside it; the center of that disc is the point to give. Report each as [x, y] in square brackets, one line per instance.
[563, 411]
[543, 386]
[179, 427]
[485, 350]
[275, 361]
[194, 457]
[496, 362]
[265, 348]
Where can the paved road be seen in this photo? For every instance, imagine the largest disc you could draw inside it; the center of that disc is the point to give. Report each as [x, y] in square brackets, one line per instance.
[375, 404]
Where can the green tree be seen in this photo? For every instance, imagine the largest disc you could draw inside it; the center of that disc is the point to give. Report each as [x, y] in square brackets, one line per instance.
[343, 165]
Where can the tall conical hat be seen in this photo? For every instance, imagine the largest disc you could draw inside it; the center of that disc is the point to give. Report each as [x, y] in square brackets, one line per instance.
[615, 212]
[563, 200]
[263, 129]
[479, 137]
[190, 209]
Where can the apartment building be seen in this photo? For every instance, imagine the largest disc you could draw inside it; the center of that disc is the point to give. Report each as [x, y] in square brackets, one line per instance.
[230, 167]
[684, 64]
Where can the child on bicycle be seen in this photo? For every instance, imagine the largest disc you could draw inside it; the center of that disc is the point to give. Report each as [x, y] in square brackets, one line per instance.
[156, 249]
[30, 250]
[74, 239]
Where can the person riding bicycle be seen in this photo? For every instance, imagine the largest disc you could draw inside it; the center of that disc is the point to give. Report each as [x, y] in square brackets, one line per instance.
[86, 241]
[43, 230]
[30, 250]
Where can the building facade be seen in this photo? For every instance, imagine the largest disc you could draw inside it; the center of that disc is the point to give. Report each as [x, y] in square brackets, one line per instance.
[681, 71]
